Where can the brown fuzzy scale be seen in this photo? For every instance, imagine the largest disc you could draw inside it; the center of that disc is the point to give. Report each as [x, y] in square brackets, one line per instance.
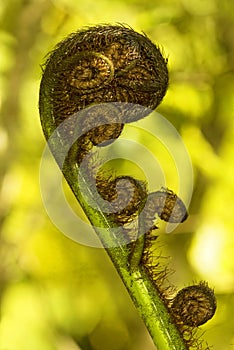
[169, 207]
[156, 269]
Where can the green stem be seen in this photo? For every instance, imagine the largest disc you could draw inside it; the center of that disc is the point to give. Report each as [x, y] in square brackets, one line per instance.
[136, 253]
[141, 289]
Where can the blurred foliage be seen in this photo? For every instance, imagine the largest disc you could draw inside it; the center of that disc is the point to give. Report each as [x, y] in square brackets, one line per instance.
[59, 295]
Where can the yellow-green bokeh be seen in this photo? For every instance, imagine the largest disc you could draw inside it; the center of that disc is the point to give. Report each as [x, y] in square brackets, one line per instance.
[56, 294]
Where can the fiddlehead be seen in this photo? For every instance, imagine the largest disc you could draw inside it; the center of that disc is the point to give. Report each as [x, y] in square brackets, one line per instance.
[108, 75]
[104, 64]
[93, 83]
[194, 305]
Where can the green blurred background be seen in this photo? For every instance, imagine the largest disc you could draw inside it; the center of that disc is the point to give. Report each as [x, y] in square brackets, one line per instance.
[59, 295]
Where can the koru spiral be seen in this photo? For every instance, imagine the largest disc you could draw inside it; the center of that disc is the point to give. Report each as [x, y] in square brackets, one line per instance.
[107, 76]
[194, 305]
[99, 65]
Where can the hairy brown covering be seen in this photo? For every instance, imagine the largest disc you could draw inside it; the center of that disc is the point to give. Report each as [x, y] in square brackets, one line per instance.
[105, 64]
[194, 305]
[99, 65]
